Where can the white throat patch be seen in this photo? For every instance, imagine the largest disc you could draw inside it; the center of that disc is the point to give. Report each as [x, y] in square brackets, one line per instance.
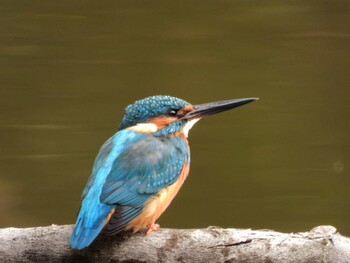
[188, 126]
[144, 127]
[150, 127]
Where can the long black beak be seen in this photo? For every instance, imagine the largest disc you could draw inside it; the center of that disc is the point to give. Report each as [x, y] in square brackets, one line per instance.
[211, 108]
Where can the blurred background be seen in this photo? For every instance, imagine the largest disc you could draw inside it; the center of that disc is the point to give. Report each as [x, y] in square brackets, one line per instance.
[68, 70]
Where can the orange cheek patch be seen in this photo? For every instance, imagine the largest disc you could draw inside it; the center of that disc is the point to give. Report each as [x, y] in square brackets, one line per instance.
[162, 121]
[187, 108]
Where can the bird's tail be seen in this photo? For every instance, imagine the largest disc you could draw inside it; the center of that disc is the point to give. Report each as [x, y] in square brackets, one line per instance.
[91, 219]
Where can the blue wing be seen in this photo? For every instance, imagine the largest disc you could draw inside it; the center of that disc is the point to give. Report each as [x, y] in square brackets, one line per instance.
[93, 213]
[138, 173]
[129, 169]
[143, 169]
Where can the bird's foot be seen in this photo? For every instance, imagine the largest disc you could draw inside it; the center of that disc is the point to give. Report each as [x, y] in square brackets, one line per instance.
[152, 227]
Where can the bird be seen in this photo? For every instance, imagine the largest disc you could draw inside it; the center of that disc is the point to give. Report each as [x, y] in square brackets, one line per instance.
[140, 169]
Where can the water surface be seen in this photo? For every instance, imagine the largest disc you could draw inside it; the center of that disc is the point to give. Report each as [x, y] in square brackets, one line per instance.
[68, 70]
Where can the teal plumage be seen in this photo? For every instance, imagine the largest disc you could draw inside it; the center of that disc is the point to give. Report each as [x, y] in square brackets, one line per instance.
[129, 169]
[139, 170]
[142, 110]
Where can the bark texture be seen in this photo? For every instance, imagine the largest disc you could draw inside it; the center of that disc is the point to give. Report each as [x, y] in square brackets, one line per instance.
[213, 244]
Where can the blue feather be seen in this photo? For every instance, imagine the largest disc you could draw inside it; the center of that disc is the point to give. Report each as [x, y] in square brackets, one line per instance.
[139, 172]
[93, 213]
[120, 219]
[130, 168]
[135, 164]
[143, 169]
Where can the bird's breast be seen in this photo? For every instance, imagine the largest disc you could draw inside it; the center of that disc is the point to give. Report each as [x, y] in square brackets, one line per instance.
[157, 204]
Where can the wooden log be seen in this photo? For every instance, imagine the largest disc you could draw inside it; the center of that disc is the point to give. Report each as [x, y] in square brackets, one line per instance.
[213, 244]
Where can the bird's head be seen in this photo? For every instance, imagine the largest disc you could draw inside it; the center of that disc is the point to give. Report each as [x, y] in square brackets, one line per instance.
[166, 115]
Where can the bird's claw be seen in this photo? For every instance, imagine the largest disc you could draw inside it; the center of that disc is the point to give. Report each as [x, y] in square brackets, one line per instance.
[152, 227]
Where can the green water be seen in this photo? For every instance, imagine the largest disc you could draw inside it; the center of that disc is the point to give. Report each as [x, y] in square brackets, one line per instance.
[68, 70]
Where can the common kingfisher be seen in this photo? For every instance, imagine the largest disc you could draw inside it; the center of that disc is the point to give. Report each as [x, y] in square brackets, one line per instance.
[140, 169]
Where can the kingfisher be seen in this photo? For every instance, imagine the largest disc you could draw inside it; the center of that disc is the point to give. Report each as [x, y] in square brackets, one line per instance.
[140, 169]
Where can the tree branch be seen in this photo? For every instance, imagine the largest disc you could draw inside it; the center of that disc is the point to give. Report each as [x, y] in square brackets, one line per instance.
[214, 244]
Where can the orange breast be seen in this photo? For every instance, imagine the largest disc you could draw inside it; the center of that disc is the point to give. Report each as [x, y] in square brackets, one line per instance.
[157, 204]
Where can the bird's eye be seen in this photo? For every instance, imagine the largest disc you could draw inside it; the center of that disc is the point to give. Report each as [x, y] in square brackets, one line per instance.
[172, 112]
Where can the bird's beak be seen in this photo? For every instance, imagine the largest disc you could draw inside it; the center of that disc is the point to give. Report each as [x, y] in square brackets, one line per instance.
[210, 108]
